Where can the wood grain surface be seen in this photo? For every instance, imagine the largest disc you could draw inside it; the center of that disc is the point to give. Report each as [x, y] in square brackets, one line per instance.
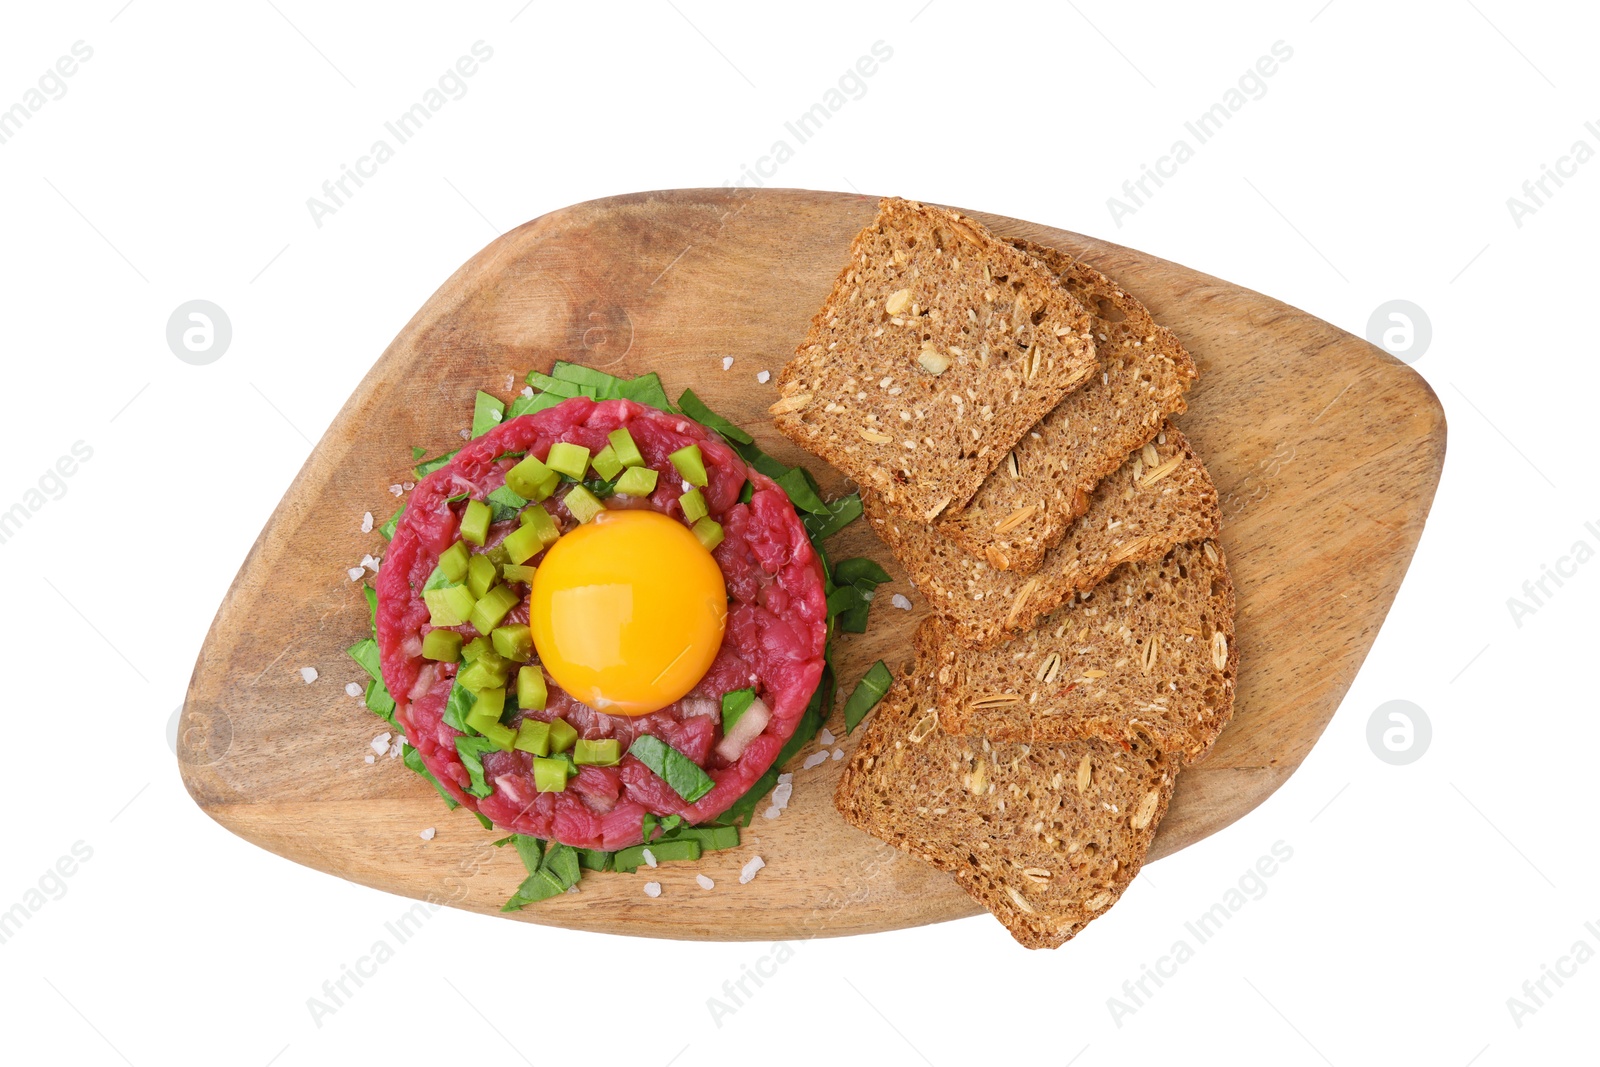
[1326, 452]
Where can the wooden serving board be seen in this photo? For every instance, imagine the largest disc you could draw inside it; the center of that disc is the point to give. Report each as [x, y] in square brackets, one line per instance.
[1326, 452]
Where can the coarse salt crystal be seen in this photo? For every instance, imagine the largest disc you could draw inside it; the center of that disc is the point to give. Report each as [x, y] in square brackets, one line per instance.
[353, 689]
[771, 813]
[652, 889]
[825, 736]
[748, 871]
[380, 744]
[838, 753]
[813, 760]
[371, 758]
[649, 859]
[900, 601]
[727, 362]
[705, 883]
[356, 574]
[466, 435]
[366, 522]
[781, 795]
[308, 674]
[426, 835]
[764, 377]
[396, 746]
[395, 489]
[371, 563]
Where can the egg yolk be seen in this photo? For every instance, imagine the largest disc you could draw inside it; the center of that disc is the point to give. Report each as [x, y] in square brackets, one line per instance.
[628, 611]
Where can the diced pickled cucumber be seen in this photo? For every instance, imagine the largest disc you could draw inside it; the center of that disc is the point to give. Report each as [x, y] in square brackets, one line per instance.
[562, 735]
[523, 543]
[480, 675]
[526, 477]
[693, 504]
[623, 445]
[569, 459]
[497, 603]
[442, 646]
[691, 464]
[533, 736]
[517, 572]
[637, 481]
[707, 531]
[449, 605]
[453, 561]
[475, 522]
[603, 753]
[583, 504]
[540, 519]
[514, 642]
[543, 490]
[550, 775]
[480, 575]
[606, 463]
[531, 692]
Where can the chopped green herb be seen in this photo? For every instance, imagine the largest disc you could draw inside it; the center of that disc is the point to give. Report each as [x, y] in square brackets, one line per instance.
[802, 491]
[541, 885]
[840, 513]
[428, 466]
[504, 503]
[413, 759]
[696, 409]
[711, 838]
[529, 849]
[457, 705]
[388, 527]
[562, 861]
[471, 750]
[379, 702]
[747, 492]
[600, 487]
[417, 452]
[628, 860]
[680, 772]
[593, 859]
[365, 652]
[873, 685]
[734, 705]
[487, 412]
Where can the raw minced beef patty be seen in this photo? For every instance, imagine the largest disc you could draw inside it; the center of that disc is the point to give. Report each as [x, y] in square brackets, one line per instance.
[774, 639]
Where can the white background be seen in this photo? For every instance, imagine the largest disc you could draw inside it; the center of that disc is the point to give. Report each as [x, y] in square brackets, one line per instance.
[1376, 166]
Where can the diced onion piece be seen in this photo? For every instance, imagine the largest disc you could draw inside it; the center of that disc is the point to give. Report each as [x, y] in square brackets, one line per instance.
[746, 730]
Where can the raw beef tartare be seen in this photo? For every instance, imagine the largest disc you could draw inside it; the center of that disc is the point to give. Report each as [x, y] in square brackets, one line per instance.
[478, 588]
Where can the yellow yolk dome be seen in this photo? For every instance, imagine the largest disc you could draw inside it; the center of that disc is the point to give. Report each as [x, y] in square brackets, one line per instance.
[628, 611]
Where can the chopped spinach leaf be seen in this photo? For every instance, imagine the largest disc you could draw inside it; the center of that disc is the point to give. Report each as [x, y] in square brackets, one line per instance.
[680, 772]
[734, 705]
[871, 689]
[487, 413]
[413, 759]
[696, 409]
[471, 750]
[428, 466]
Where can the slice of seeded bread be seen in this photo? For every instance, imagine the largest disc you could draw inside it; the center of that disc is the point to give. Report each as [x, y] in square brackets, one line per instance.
[1149, 652]
[938, 348]
[1045, 836]
[1027, 504]
[1161, 496]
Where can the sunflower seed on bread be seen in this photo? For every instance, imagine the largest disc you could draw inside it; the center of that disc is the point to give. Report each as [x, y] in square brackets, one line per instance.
[1045, 836]
[1148, 653]
[939, 346]
[1026, 506]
